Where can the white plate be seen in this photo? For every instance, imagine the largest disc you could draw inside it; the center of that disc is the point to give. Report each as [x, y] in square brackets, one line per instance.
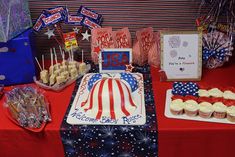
[197, 118]
[77, 116]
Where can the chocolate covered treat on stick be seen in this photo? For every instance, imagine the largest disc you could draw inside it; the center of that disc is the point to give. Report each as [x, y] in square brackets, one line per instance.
[82, 66]
[52, 76]
[72, 61]
[57, 65]
[63, 66]
[60, 79]
[73, 73]
[43, 73]
[51, 68]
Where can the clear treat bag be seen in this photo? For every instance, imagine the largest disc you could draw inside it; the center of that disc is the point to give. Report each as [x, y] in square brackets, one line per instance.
[28, 107]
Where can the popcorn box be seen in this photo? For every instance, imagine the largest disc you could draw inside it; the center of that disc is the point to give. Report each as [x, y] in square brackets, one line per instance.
[17, 60]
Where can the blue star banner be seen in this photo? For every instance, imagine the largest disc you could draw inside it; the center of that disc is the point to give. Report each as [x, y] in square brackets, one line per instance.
[113, 140]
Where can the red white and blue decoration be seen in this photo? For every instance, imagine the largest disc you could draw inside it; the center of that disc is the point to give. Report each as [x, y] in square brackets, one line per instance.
[58, 14]
[53, 19]
[115, 60]
[131, 80]
[113, 140]
[109, 99]
[93, 80]
[217, 18]
[184, 89]
[217, 48]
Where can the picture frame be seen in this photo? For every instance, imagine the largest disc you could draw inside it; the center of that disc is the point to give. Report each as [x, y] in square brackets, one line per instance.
[181, 55]
[114, 60]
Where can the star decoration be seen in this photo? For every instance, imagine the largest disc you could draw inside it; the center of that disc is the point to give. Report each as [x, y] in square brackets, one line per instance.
[129, 68]
[85, 36]
[76, 30]
[185, 89]
[97, 49]
[50, 33]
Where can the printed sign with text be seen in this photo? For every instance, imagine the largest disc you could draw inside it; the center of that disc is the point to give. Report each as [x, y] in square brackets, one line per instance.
[115, 60]
[181, 57]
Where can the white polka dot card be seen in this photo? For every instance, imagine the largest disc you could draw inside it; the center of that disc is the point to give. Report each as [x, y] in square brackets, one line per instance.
[181, 55]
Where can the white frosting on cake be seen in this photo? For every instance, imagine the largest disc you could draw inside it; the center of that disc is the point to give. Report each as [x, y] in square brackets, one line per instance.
[219, 107]
[203, 92]
[206, 107]
[231, 110]
[191, 105]
[215, 92]
[229, 95]
[109, 98]
[177, 101]
[177, 105]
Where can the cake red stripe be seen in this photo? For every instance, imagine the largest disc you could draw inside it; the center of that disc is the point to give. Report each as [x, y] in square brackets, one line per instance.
[129, 95]
[122, 99]
[110, 86]
[91, 99]
[100, 105]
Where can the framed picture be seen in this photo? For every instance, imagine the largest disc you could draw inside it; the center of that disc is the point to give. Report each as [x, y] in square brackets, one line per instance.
[181, 55]
[114, 60]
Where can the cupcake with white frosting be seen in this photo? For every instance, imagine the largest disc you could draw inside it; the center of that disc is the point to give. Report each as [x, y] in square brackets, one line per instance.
[215, 92]
[203, 93]
[229, 95]
[191, 108]
[177, 107]
[205, 109]
[231, 113]
[219, 110]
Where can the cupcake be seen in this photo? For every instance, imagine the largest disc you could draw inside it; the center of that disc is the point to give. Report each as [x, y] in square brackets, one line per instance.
[219, 110]
[203, 93]
[191, 108]
[177, 107]
[215, 92]
[205, 109]
[231, 113]
[229, 95]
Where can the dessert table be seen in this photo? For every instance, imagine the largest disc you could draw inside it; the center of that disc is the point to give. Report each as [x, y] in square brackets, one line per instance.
[175, 137]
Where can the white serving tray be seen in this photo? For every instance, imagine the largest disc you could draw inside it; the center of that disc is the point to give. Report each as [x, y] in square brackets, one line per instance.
[168, 113]
[77, 116]
[59, 87]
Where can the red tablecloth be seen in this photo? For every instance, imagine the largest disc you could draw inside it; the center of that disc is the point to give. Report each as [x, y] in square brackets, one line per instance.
[15, 141]
[192, 138]
[176, 137]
